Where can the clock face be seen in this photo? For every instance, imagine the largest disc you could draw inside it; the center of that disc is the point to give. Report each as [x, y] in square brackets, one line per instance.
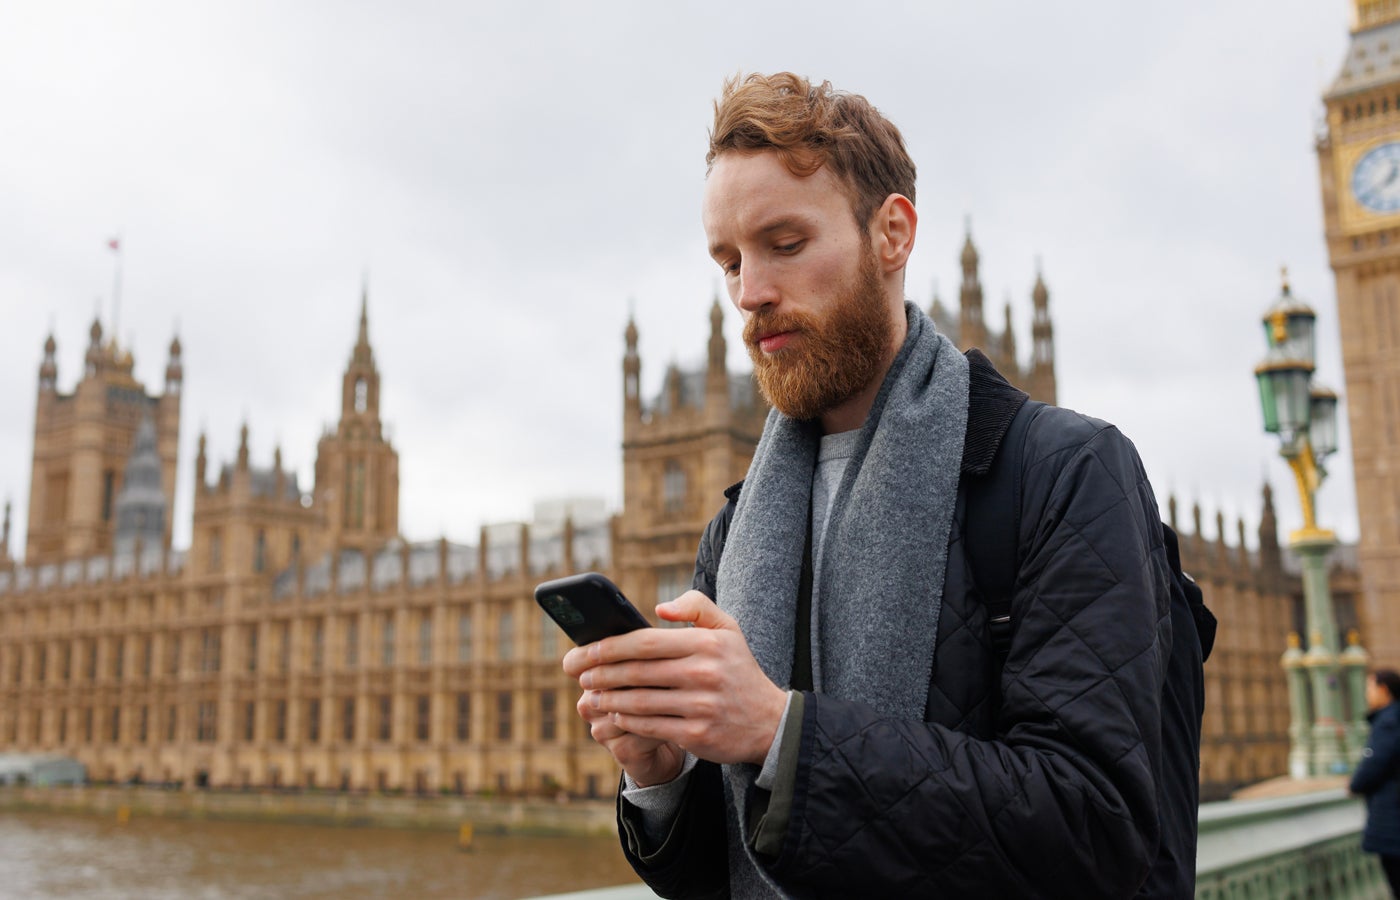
[1376, 179]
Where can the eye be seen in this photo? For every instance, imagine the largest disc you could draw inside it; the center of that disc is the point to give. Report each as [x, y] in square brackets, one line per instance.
[789, 248]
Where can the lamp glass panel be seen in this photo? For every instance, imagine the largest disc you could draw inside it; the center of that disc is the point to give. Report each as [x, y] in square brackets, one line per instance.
[1268, 402]
[1322, 430]
[1300, 344]
[1294, 404]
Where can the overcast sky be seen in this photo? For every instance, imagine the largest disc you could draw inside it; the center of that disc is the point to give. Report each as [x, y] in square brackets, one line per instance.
[515, 179]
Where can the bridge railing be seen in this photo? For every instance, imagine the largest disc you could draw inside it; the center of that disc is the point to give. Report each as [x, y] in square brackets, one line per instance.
[1303, 846]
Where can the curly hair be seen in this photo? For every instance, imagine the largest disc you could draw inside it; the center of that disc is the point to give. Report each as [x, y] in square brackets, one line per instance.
[810, 127]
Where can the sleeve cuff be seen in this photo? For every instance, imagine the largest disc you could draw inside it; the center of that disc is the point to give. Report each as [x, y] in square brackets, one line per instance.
[657, 804]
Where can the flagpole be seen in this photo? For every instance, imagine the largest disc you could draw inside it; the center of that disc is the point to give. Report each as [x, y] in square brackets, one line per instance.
[116, 246]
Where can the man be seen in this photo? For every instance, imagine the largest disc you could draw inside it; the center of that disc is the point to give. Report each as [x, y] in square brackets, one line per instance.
[835, 722]
[1377, 777]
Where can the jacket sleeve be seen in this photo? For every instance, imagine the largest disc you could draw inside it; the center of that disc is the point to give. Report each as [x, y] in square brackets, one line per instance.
[1063, 801]
[1378, 762]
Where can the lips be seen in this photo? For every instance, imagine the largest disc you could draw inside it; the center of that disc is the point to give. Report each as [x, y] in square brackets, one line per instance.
[772, 343]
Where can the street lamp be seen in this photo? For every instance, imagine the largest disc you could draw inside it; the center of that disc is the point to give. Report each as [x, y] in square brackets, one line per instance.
[1304, 416]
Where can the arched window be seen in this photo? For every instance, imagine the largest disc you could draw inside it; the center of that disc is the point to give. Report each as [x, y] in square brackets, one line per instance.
[505, 637]
[361, 395]
[673, 488]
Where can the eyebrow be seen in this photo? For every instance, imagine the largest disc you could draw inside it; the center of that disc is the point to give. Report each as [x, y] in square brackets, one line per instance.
[776, 225]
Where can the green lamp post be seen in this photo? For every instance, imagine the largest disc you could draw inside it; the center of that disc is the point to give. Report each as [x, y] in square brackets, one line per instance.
[1304, 416]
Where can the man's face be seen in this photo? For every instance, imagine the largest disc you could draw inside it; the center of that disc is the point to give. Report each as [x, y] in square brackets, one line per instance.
[817, 320]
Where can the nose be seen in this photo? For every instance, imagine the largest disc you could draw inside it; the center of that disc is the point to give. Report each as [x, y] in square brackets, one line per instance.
[756, 288]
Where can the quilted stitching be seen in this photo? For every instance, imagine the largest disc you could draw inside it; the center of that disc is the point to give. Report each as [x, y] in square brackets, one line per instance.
[1050, 812]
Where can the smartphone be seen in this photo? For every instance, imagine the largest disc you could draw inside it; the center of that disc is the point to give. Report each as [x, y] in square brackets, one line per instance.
[588, 607]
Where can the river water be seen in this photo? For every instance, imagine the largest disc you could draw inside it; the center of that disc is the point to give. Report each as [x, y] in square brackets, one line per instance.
[45, 855]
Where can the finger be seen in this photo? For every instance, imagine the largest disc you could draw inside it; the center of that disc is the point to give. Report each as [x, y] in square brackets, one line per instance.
[648, 702]
[697, 609]
[652, 673]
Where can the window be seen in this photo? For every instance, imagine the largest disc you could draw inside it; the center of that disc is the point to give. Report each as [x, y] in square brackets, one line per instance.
[352, 643]
[425, 640]
[313, 721]
[423, 719]
[172, 723]
[280, 726]
[87, 725]
[63, 726]
[91, 665]
[505, 637]
[549, 637]
[116, 724]
[361, 395]
[250, 718]
[174, 659]
[252, 649]
[206, 728]
[464, 717]
[216, 551]
[386, 652]
[548, 715]
[318, 645]
[65, 662]
[503, 712]
[347, 719]
[109, 485]
[284, 647]
[119, 659]
[147, 654]
[673, 488]
[142, 724]
[386, 718]
[260, 552]
[464, 638]
[209, 650]
[43, 663]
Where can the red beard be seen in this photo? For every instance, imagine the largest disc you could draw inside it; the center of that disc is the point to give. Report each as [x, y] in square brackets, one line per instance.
[835, 355]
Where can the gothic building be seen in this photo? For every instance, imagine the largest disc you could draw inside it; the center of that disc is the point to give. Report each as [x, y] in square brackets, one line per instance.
[301, 641]
[969, 329]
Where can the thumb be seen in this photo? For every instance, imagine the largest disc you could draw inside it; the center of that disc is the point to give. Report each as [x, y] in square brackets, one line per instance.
[697, 609]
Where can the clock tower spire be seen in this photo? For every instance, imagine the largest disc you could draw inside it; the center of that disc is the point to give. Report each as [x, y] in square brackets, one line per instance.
[1358, 154]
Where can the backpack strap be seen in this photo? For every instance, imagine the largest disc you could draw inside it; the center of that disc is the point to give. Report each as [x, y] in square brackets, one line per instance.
[993, 526]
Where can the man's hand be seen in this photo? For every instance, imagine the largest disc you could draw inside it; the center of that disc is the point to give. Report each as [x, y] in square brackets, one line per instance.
[653, 693]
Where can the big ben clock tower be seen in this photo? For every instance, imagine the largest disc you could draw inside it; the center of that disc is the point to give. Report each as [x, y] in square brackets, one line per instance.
[1359, 162]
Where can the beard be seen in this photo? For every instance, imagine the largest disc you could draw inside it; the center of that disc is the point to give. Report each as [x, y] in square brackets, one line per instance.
[837, 354]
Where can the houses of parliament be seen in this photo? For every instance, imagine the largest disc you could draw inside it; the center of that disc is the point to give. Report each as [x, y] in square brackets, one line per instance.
[300, 641]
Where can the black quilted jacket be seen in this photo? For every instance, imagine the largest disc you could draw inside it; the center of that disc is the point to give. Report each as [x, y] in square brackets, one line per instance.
[1038, 783]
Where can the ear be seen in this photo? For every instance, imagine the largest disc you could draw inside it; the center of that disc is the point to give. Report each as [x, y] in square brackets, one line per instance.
[892, 230]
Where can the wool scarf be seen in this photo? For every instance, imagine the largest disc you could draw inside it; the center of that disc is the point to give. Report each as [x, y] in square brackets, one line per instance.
[875, 615]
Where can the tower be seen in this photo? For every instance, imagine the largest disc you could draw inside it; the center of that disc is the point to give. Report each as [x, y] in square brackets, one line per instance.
[679, 454]
[357, 469]
[1358, 154]
[82, 442]
[970, 329]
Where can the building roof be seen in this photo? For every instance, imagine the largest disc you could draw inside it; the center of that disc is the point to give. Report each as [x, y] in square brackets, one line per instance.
[1373, 59]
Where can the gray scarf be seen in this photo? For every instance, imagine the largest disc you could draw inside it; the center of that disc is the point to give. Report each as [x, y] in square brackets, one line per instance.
[875, 620]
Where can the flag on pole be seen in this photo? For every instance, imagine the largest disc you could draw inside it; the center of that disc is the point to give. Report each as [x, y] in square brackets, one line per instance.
[115, 244]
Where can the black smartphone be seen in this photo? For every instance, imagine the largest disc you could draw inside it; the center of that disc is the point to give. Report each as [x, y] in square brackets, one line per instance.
[588, 607]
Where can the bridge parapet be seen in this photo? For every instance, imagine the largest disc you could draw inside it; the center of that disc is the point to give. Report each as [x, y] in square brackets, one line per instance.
[1306, 845]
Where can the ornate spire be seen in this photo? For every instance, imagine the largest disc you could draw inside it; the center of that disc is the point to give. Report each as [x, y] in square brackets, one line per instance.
[174, 369]
[201, 462]
[48, 369]
[243, 447]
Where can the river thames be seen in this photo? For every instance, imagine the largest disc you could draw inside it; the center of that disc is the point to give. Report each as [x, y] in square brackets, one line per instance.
[46, 855]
